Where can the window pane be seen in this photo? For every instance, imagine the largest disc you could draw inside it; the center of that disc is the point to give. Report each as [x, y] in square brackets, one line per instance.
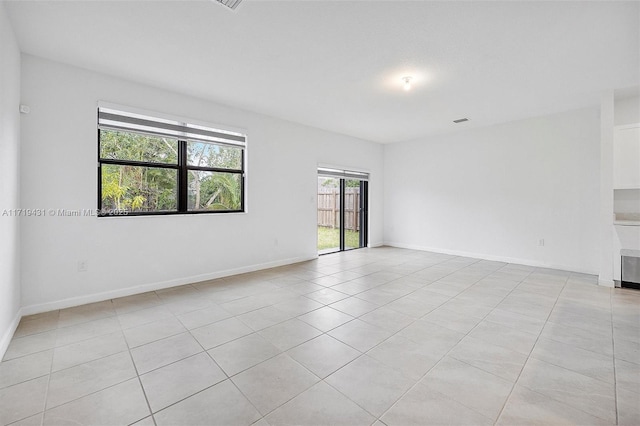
[351, 213]
[214, 191]
[139, 189]
[136, 147]
[328, 215]
[202, 154]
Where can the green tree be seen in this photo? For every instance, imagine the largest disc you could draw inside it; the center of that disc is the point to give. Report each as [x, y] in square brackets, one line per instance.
[141, 188]
[214, 190]
[138, 188]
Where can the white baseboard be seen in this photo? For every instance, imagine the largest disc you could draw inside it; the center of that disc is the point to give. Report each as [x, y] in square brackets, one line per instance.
[8, 334]
[606, 283]
[484, 256]
[376, 244]
[129, 291]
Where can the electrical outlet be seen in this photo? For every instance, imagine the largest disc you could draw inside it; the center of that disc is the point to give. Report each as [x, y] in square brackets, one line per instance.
[82, 266]
[541, 242]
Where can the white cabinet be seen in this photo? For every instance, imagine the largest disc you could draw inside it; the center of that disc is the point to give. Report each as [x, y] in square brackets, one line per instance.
[626, 157]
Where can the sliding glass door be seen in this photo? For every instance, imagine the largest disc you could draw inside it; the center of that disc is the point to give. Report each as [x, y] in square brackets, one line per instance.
[342, 210]
[329, 197]
[352, 210]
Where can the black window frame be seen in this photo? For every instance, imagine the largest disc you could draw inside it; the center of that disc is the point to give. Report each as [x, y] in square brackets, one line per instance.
[182, 177]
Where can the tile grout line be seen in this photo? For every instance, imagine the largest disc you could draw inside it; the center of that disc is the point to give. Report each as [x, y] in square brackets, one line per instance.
[46, 394]
[466, 334]
[135, 367]
[530, 352]
[573, 371]
[90, 393]
[284, 352]
[336, 265]
[227, 377]
[121, 332]
[137, 372]
[613, 355]
[320, 379]
[208, 387]
[396, 332]
[489, 313]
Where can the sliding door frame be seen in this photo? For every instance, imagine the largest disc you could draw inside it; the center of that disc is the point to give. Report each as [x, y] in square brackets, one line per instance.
[363, 207]
[343, 198]
[364, 213]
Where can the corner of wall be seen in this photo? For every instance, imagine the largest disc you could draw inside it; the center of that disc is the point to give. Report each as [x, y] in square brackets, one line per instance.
[10, 286]
[605, 277]
[5, 339]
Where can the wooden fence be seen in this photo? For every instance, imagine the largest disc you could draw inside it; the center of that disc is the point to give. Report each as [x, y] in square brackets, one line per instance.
[329, 208]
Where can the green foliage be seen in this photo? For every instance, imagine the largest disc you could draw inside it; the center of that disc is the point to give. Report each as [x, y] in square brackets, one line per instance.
[330, 183]
[137, 147]
[330, 238]
[210, 155]
[214, 190]
[111, 189]
[218, 191]
[335, 183]
[134, 188]
[140, 188]
[137, 202]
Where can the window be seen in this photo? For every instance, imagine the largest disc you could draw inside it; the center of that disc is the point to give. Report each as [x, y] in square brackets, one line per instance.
[149, 165]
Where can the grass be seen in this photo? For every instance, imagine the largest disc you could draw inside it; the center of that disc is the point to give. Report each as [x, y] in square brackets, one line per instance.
[330, 238]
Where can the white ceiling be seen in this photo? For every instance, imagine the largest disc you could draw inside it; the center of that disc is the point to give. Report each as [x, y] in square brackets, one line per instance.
[338, 65]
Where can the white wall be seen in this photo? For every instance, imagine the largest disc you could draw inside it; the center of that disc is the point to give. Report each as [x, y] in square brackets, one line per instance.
[495, 192]
[605, 275]
[125, 255]
[9, 180]
[626, 111]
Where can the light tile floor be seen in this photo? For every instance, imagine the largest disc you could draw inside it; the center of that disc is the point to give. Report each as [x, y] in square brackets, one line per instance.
[384, 336]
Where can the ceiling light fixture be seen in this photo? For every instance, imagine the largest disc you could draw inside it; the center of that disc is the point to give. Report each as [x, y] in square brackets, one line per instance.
[407, 83]
[231, 4]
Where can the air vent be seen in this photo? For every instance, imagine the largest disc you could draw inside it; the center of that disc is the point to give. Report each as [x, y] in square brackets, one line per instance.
[460, 120]
[231, 4]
